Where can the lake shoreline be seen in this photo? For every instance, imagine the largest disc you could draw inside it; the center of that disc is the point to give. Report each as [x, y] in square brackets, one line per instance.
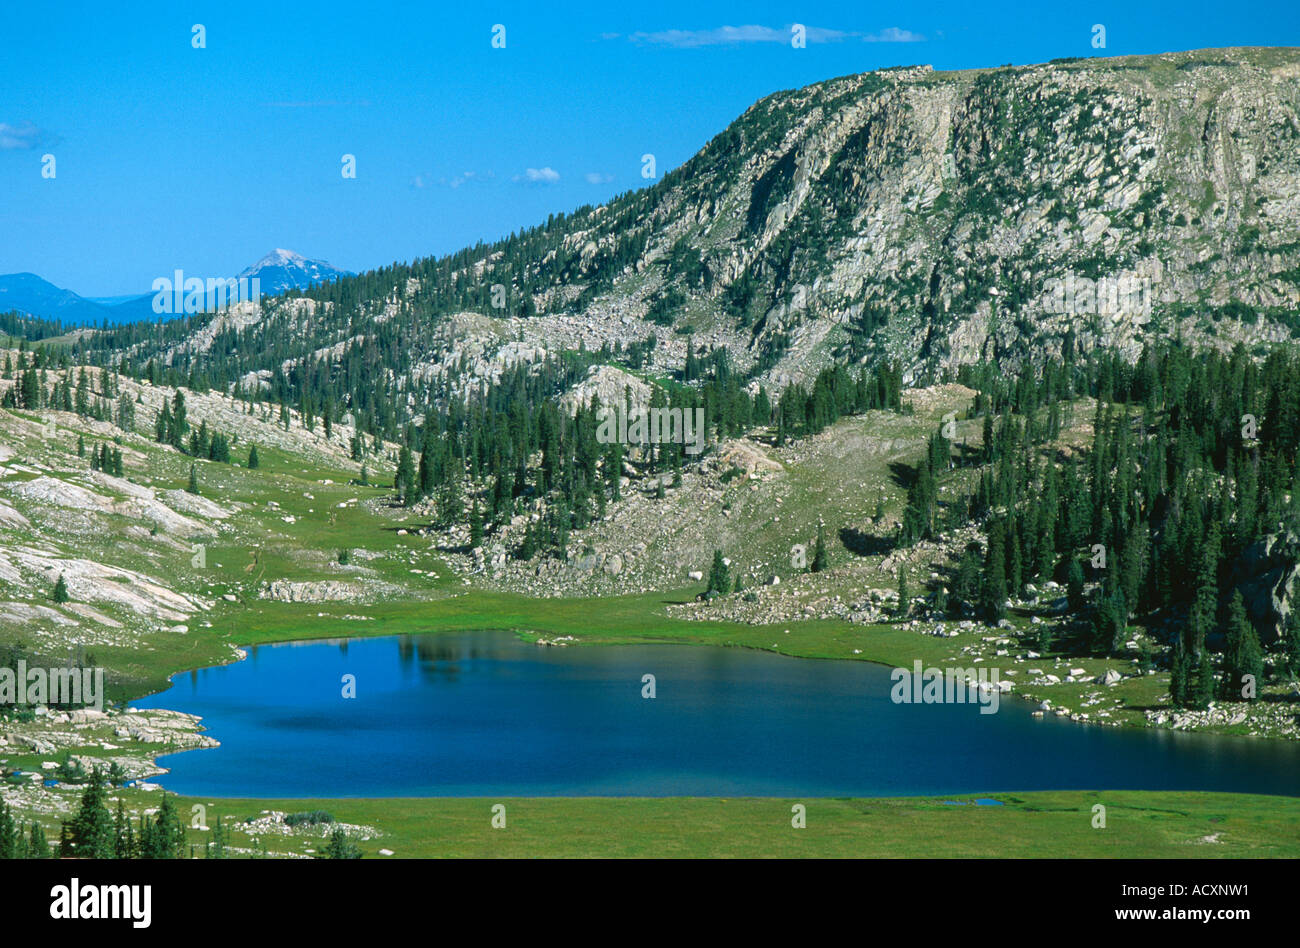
[396, 811]
[803, 684]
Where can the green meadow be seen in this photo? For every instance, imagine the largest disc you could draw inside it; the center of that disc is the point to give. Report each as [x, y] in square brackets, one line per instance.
[1138, 825]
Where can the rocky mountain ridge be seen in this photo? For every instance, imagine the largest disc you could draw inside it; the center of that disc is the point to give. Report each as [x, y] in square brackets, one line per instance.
[933, 219]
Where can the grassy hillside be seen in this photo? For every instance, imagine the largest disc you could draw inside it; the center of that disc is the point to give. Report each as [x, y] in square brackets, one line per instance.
[271, 571]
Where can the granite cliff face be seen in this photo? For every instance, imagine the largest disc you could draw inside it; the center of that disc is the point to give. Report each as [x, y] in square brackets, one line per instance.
[944, 218]
[931, 218]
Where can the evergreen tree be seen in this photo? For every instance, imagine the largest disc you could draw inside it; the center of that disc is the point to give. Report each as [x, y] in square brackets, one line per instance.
[993, 594]
[126, 413]
[339, 847]
[91, 830]
[1015, 560]
[253, 461]
[219, 449]
[60, 594]
[123, 836]
[451, 505]
[528, 547]
[1046, 640]
[968, 584]
[475, 527]
[1201, 680]
[820, 558]
[179, 425]
[37, 847]
[404, 480]
[1108, 623]
[164, 837]
[1200, 673]
[1074, 585]
[11, 834]
[193, 486]
[1290, 644]
[163, 424]
[719, 576]
[215, 848]
[1243, 659]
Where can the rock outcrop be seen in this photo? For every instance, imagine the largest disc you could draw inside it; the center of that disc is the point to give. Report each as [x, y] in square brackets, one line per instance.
[1266, 577]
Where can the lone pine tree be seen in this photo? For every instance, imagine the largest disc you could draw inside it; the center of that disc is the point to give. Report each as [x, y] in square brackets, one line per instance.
[820, 559]
[1243, 659]
[719, 576]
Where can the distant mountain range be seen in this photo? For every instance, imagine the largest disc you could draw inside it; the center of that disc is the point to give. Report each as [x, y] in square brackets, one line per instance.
[278, 272]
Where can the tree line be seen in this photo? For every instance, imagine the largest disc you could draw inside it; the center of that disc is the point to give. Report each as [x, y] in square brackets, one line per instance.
[1192, 468]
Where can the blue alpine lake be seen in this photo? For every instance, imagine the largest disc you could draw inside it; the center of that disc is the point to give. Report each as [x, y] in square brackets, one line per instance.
[488, 714]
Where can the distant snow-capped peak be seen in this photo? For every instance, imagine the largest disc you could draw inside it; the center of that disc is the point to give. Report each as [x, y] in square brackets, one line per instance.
[282, 270]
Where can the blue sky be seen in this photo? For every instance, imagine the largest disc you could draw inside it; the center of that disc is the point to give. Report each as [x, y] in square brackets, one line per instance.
[172, 157]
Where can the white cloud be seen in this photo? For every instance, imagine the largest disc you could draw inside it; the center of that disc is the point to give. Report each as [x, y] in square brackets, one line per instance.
[598, 177]
[753, 33]
[20, 137]
[426, 180]
[465, 177]
[732, 35]
[539, 175]
[893, 34]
